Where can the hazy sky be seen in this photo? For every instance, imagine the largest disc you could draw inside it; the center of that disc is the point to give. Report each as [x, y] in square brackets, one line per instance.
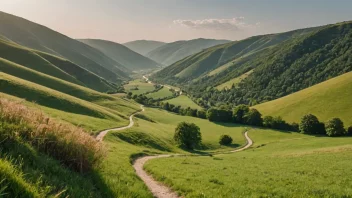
[170, 20]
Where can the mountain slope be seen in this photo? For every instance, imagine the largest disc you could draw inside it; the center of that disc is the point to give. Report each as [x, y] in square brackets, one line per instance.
[52, 65]
[120, 53]
[217, 59]
[326, 100]
[172, 52]
[307, 57]
[41, 38]
[143, 46]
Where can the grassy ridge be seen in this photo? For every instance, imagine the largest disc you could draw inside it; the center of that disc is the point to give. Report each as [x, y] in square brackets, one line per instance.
[326, 100]
[278, 165]
[143, 46]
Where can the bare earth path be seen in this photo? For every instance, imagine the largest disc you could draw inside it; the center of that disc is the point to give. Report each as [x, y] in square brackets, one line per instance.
[102, 134]
[160, 190]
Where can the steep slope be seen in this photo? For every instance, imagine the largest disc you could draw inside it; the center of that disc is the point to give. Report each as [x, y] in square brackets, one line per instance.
[143, 46]
[217, 59]
[52, 65]
[305, 58]
[172, 52]
[326, 100]
[41, 38]
[120, 53]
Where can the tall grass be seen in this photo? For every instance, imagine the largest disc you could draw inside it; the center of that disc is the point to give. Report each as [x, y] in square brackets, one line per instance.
[70, 145]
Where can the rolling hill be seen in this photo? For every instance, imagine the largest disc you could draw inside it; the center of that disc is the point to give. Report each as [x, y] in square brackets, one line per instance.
[50, 65]
[172, 52]
[143, 46]
[120, 53]
[35, 36]
[326, 100]
[279, 64]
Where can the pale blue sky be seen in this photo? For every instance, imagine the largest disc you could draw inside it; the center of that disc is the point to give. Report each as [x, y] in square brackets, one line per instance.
[170, 20]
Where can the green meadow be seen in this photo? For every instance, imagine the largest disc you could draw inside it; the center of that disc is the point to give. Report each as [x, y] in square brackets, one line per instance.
[184, 102]
[279, 164]
[162, 93]
[141, 85]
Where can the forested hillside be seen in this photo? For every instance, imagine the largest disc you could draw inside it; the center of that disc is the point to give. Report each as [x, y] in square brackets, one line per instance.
[300, 61]
[120, 53]
[32, 35]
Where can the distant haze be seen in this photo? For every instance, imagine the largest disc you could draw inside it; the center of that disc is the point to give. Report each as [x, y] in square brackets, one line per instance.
[170, 20]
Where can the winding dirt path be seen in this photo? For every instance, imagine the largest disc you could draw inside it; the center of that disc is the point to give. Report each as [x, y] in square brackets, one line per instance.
[102, 134]
[159, 190]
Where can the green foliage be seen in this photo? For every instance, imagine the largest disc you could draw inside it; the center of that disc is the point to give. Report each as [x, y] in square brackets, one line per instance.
[239, 112]
[311, 125]
[253, 117]
[201, 114]
[187, 135]
[335, 127]
[219, 115]
[225, 140]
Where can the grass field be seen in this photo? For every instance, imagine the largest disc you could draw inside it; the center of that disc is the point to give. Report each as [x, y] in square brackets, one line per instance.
[234, 81]
[326, 100]
[184, 102]
[142, 86]
[162, 93]
[278, 165]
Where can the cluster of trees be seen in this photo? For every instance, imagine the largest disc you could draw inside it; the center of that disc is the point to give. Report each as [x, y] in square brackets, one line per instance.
[334, 127]
[187, 135]
[183, 111]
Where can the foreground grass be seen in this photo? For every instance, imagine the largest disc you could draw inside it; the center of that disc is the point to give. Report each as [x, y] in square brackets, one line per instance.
[326, 100]
[184, 102]
[278, 165]
[162, 93]
[142, 86]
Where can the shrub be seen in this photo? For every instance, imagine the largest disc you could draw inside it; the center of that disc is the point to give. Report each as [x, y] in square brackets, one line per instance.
[253, 117]
[310, 125]
[69, 144]
[349, 131]
[219, 115]
[201, 114]
[187, 135]
[295, 127]
[334, 127]
[268, 121]
[225, 140]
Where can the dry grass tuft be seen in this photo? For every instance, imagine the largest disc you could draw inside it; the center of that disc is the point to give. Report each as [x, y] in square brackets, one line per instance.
[69, 144]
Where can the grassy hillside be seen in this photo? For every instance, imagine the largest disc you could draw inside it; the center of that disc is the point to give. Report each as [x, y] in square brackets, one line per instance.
[139, 86]
[326, 100]
[143, 46]
[234, 82]
[51, 65]
[162, 93]
[171, 52]
[219, 60]
[279, 164]
[121, 54]
[184, 102]
[41, 38]
[293, 61]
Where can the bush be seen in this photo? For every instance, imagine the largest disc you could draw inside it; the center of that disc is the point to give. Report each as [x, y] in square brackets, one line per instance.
[187, 135]
[295, 127]
[310, 125]
[225, 140]
[253, 117]
[334, 127]
[219, 115]
[349, 131]
[201, 114]
[69, 144]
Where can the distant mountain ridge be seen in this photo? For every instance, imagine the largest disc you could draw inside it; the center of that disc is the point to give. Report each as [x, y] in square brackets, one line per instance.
[35, 36]
[172, 52]
[122, 54]
[143, 46]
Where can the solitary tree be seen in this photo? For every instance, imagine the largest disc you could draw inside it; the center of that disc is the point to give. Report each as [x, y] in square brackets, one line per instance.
[239, 112]
[349, 131]
[253, 117]
[309, 124]
[187, 135]
[225, 140]
[334, 127]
